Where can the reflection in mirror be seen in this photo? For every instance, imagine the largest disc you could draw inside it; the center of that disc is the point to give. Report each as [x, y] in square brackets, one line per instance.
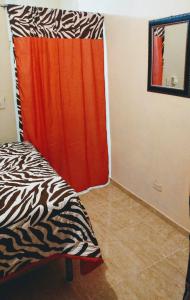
[169, 56]
[169, 45]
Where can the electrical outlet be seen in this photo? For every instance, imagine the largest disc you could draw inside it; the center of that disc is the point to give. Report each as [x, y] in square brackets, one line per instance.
[2, 103]
[157, 186]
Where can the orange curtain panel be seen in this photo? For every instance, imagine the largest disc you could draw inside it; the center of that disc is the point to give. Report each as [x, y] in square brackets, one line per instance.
[61, 90]
[158, 51]
[157, 61]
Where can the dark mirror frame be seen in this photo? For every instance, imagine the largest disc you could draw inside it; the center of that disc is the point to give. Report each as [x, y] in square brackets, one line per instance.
[166, 90]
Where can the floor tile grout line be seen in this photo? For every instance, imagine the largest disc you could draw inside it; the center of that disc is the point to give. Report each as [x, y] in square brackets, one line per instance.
[152, 265]
[160, 260]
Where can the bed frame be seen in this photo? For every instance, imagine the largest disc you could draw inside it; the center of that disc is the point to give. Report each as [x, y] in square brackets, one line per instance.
[68, 270]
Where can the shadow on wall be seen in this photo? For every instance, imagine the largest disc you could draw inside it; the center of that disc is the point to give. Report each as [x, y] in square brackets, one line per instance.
[48, 283]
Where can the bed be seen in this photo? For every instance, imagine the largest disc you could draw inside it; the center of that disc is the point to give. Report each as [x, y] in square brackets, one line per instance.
[41, 216]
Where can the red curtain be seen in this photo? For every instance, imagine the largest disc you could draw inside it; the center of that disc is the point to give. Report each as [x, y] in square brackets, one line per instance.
[157, 70]
[61, 87]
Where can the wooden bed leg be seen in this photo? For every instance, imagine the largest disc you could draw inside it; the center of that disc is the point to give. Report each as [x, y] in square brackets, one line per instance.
[69, 270]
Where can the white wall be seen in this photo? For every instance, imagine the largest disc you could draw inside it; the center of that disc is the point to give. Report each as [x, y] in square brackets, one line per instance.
[69, 4]
[45, 3]
[7, 115]
[65, 4]
[137, 8]
[149, 131]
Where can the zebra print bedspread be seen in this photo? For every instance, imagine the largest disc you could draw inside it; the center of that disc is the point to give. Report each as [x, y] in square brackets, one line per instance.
[40, 214]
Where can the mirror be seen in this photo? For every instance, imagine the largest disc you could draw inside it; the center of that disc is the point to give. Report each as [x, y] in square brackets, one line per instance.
[169, 69]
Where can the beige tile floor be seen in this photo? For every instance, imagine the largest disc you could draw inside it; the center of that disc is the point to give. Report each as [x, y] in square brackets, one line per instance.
[145, 257]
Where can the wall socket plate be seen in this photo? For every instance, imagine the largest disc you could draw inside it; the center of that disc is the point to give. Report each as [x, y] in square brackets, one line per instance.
[157, 186]
[2, 103]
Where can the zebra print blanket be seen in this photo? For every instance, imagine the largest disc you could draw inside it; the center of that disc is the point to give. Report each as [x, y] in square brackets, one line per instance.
[40, 214]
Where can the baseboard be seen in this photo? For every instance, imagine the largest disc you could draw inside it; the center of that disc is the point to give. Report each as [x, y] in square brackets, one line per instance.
[180, 228]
